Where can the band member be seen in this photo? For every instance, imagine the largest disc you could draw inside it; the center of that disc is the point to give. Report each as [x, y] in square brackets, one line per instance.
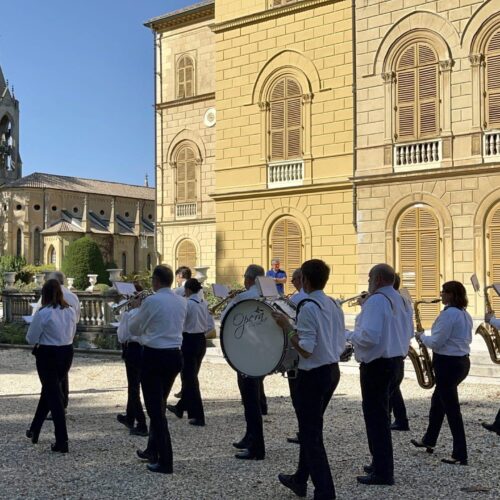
[450, 339]
[495, 426]
[381, 339]
[278, 275]
[182, 274]
[132, 355]
[319, 340]
[51, 332]
[194, 346]
[252, 444]
[397, 403]
[159, 322]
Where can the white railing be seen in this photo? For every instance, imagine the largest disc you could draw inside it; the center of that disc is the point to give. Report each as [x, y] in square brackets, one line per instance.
[416, 155]
[285, 174]
[184, 210]
[492, 144]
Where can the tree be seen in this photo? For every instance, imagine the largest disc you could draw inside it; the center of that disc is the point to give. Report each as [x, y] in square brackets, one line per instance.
[83, 257]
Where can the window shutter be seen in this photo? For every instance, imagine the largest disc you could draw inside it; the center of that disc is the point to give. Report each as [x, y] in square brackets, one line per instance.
[494, 254]
[186, 254]
[277, 130]
[186, 175]
[493, 81]
[427, 91]
[191, 180]
[406, 95]
[185, 77]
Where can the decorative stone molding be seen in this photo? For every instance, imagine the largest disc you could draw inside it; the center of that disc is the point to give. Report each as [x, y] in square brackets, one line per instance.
[307, 98]
[446, 65]
[389, 77]
[263, 106]
[475, 59]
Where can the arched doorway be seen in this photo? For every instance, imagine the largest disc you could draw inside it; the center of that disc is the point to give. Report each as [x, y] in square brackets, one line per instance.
[286, 245]
[52, 255]
[493, 272]
[419, 258]
[186, 254]
[19, 242]
[36, 246]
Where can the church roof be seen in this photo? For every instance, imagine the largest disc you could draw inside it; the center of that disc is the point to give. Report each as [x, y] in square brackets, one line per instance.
[81, 185]
[189, 12]
[63, 226]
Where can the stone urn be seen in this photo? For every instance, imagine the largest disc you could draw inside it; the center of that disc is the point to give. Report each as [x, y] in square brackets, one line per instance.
[93, 280]
[39, 280]
[201, 273]
[114, 274]
[9, 278]
[71, 282]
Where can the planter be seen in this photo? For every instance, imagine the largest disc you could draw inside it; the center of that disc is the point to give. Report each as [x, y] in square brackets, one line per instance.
[71, 282]
[9, 278]
[93, 280]
[114, 274]
[201, 273]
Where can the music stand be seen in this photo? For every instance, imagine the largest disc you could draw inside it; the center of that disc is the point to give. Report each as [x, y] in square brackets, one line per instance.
[475, 283]
[220, 291]
[267, 287]
[124, 288]
[496, 287]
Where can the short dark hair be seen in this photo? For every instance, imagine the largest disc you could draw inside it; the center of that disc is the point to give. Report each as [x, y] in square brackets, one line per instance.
[458, 292]
[397, 281]
[52, 295]
[184, 271]
[192, 284]
[164, 275]
[316, 272]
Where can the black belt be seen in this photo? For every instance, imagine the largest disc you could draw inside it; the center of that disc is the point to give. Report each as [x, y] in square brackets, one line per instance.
[162, 348]
[193, 333]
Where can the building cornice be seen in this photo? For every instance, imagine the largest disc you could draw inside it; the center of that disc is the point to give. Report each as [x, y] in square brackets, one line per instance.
[186, 17]
[186, 222]
[186, 100]
[270, 13]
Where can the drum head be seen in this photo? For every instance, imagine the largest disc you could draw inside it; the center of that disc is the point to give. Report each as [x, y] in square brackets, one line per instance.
[251, 340]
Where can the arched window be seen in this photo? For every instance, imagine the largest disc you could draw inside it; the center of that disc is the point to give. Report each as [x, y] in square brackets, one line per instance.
[418, 238]
[19, 242]
[493, 235]
[417, 93]
[124, 262]
[36, 246]
[52, 255]
[186, 254]
[286, 120]
[286, 245]
[148, 262]
[185, 77]
[186, 175]
[492, 68]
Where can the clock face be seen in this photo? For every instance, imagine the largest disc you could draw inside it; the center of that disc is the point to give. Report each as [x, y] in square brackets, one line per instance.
[210, 117]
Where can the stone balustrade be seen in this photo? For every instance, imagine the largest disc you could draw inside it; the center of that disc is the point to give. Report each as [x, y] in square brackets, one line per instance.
[421, 154]
[185, 210]
[285, 174]
[492, 144]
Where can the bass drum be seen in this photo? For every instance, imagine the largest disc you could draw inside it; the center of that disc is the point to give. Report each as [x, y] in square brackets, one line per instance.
[253, 343]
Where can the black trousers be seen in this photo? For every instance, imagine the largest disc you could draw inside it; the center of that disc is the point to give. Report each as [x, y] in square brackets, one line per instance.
[313, 391]
[450, 371]
[397, 403]
[250, 390]
[378, 380]
[497, 420]
[132, 355]
[158, 372]
[53, 364]
[263, 398]
[194, 347]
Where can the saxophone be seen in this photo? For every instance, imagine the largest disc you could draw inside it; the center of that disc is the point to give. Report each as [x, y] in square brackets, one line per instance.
[422, 362]
[489, 333]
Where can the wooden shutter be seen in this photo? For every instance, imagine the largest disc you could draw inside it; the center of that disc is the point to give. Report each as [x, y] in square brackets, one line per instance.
[428, 102]
[493, 81]
[186, 175]
[186, 254]
[286, 245]
[185, 77]
[418, 239]
[286, 120]
[406, 95]
[494, 256]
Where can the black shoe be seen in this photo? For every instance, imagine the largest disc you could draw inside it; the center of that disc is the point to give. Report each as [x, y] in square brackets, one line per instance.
[293, 440]
[491, 427]
[176, 411]
[288, 480]
[125, 421]
[60, 447]
[263, 410]
[145, 455]
[248, 455]
[178, 395]
[196, 421]
[32, 435]
[374, 479]
[420, 444]
[241, 445]
[453, 461]
[159, 468]
[400, 427]
[139, 430]
[369, 469]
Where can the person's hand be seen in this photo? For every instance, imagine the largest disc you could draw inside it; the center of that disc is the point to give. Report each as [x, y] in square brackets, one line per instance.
[282, 320]
[488, 317]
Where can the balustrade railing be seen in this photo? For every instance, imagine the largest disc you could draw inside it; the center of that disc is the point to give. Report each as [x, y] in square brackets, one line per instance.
[417, 154]
[492, 143]
[185, 210]
[285, 174]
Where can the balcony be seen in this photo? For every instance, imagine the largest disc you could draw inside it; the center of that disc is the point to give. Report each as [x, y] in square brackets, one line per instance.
[417, 155]
[285, 174]
[491, 146]
[186, 210]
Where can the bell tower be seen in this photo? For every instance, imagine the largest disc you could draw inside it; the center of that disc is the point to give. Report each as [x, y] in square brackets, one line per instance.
[10, 159]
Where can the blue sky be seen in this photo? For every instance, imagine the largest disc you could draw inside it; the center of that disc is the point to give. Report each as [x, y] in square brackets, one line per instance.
[83, 73]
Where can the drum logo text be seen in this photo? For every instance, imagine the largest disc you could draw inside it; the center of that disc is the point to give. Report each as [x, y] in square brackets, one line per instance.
[241, 320]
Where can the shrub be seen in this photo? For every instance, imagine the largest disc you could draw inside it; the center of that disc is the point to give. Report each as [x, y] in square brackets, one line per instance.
[26, 273]
[13, 333]
[83, 257]
[10, 263]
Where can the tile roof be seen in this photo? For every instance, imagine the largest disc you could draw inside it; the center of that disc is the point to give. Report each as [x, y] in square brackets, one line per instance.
[179, 12]
[81, 185]
[63, 226]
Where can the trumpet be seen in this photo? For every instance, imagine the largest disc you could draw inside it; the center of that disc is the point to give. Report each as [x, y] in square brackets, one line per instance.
[230, 295]
[354, 301]
[489, 333]
[126, 303]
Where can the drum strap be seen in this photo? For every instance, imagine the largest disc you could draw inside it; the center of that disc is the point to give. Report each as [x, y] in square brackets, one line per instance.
[303, 301]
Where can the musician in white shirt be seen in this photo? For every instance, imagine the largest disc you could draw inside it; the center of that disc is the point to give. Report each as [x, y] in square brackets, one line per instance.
[495, 426]
[450, 339]
[252, 444]
[52, 332]
[297, 283]
[319, 340]
[198, 323]
[159, 324]
[381, 340]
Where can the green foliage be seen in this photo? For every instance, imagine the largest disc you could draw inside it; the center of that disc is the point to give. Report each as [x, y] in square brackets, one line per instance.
[13, 333]
[25, 287]
[144, 278]
[27, 272]
[101, 287]
[83, 257]
[10, 263]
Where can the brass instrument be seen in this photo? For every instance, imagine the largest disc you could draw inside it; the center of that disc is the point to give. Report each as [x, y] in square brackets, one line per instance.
[230, 295]
[489, 333]
[353, 301]
[422, 362]
[125, 304]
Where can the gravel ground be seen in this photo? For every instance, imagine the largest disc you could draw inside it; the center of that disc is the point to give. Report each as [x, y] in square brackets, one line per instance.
[102, 461]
